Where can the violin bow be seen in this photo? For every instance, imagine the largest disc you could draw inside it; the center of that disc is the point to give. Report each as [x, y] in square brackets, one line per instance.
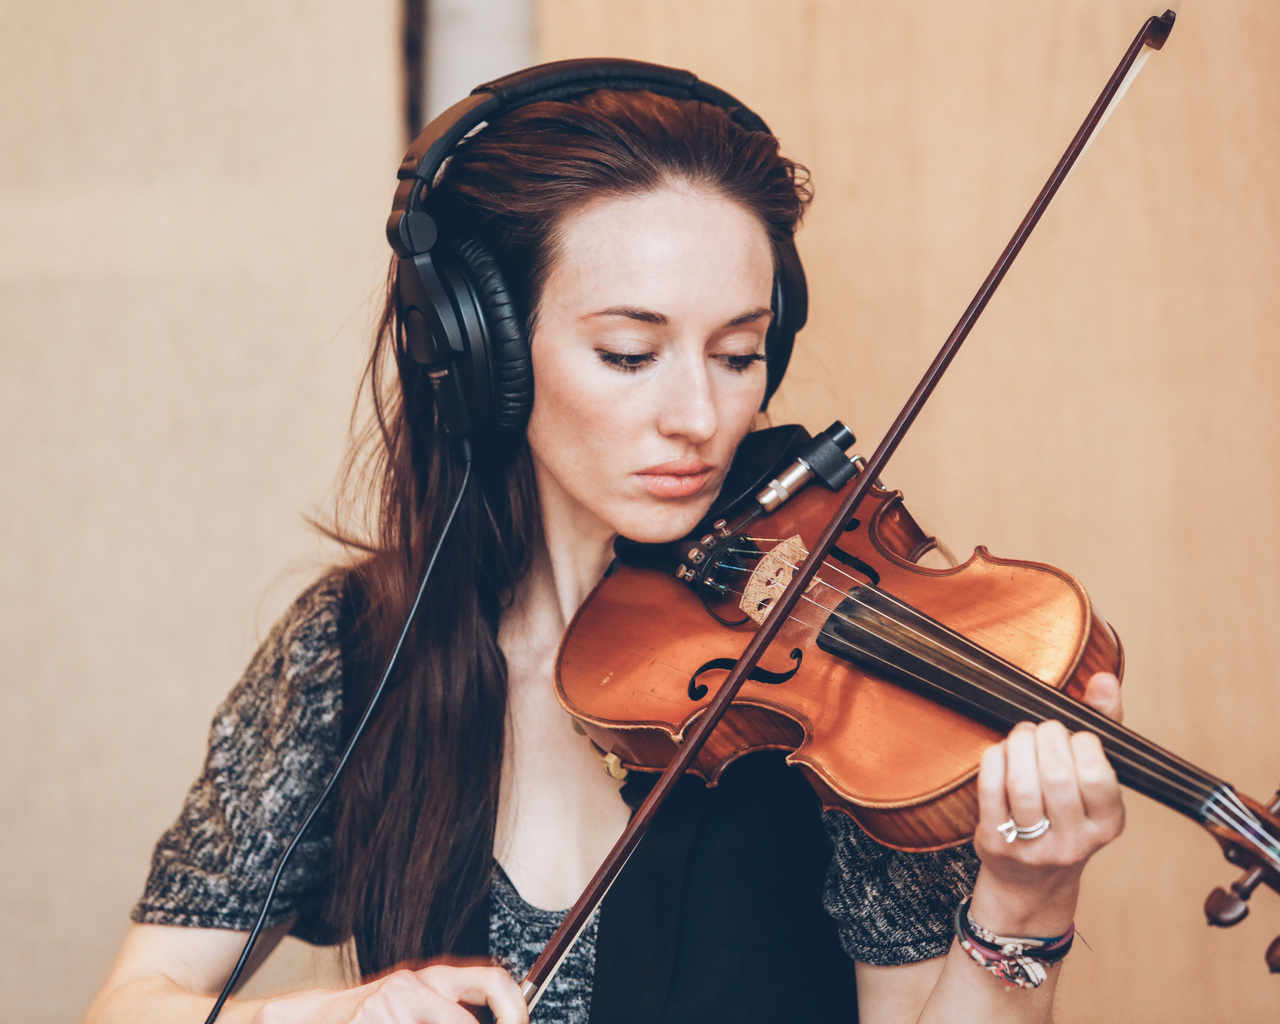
[1151, 37]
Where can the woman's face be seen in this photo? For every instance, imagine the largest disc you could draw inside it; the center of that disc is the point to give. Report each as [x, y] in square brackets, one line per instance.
[648, 360]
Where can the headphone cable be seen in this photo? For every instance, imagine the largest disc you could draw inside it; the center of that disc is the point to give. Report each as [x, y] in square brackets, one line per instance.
[464, 450]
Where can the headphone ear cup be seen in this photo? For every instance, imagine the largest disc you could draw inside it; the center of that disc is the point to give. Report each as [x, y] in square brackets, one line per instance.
[511, 370]
[790, 311]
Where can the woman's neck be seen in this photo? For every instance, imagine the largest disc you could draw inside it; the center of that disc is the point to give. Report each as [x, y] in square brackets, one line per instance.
[573, 552]
[558, 813]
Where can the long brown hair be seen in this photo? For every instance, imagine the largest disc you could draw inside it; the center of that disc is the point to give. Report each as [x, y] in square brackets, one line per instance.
[416, 812]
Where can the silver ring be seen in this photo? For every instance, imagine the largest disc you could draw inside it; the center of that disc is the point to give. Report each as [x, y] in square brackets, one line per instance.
[1011, 830]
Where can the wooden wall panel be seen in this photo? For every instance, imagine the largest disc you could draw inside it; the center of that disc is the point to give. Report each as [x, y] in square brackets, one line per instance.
[192, 201]
[1115, 412]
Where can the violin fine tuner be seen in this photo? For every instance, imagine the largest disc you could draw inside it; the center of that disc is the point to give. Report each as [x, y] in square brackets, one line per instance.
[1225, 907]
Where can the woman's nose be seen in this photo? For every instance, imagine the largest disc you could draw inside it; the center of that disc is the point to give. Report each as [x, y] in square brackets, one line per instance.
[688, 407]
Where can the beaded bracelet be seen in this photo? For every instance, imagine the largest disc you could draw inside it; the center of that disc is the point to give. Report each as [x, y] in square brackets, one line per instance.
[1017, 962]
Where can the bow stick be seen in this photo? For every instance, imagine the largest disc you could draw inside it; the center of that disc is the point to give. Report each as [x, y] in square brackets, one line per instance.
[1150, 37]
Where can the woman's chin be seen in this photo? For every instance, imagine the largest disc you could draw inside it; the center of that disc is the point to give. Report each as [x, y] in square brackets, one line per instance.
[670, 521]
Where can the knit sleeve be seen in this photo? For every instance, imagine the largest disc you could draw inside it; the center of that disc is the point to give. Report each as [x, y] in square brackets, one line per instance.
[272, 746]
[891, 907]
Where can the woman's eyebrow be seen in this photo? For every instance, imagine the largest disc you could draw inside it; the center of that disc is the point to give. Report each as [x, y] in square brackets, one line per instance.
[759, 313]
[649, 316]
[645, 316]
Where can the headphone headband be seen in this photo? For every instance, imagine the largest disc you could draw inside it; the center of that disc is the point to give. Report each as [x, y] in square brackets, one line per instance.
[558, 80]
[564, 78]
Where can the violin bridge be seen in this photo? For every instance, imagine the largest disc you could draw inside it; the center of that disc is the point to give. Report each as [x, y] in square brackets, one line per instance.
[771, 577]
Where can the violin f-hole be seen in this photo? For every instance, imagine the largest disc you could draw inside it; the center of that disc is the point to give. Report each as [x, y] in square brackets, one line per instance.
[698, 690]
[856, 564]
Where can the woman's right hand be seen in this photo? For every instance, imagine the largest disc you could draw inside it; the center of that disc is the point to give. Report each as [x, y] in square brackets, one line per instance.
[167, 973]
[432, 995]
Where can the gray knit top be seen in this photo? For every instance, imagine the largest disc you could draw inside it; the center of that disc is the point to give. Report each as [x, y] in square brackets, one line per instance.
[274, 742]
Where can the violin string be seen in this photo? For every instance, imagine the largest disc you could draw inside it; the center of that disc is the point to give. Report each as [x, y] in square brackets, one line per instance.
[1254, 829]
[1219, 804]
[1028, 695]
[1175, 790]
[1227, 805]
[1144, 760]
[1241, 821]
[885, 594]
[890, 598]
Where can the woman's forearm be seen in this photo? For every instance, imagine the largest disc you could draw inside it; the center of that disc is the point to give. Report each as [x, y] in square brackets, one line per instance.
[159, 1000]
[966, 992]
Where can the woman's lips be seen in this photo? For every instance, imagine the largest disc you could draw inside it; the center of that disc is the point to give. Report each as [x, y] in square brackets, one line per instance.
[678, 478]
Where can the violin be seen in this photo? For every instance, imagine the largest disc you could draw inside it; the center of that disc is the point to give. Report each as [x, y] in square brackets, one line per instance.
[884, 681]
[885, 684]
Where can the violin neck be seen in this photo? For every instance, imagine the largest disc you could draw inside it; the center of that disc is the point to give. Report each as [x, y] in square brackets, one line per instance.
[876, 631]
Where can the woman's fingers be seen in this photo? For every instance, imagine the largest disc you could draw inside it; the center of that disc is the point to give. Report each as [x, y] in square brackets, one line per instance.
[1099, 789]
[1023, 791]
[1029, 886]
[403, 997]
[993, 804]
[1058, 780]
[439, 994]
[479, 986]
[1045, 772]
[1102, 693]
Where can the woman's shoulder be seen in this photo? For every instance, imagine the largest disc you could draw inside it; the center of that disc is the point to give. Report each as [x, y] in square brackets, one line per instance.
[306, 639]
[290, 694]
[272, 743]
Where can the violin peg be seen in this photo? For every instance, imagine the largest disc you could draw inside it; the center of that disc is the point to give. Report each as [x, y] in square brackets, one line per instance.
[1273, 955]
[1224, 909]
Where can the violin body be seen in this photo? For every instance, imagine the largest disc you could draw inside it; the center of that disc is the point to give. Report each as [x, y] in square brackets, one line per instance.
[643, 657]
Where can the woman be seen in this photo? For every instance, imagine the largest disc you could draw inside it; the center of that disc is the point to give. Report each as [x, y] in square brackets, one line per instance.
[640, 237]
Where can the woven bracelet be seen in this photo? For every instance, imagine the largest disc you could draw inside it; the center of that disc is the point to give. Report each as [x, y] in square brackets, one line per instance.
[1017, 962]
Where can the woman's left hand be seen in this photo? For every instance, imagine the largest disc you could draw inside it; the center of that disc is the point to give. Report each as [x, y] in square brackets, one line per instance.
[1029, 886]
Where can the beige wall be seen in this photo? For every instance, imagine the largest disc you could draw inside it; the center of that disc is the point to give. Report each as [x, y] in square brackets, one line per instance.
[191, 209]
[191, 205]
[1114, 413]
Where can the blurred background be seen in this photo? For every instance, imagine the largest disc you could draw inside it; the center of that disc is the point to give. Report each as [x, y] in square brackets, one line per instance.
[192, 201]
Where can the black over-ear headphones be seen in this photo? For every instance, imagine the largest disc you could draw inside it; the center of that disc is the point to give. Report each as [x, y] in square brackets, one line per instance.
[459, 319]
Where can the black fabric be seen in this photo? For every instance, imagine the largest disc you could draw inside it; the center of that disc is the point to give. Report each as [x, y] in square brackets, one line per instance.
[718, 916]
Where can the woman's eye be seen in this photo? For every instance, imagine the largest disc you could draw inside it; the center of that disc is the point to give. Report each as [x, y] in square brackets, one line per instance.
[740, 363]
[628, 362]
